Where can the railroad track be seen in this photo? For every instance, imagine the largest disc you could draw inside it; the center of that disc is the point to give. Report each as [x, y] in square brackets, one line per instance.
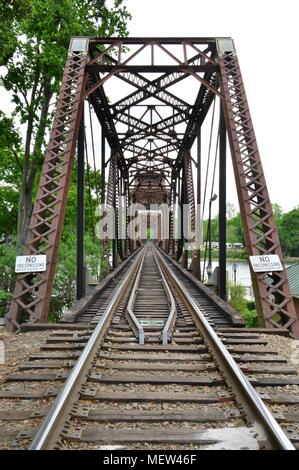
[101, 382]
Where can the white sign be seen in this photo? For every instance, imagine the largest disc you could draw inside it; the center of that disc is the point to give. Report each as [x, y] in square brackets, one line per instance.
[265, 263]
[30, 264]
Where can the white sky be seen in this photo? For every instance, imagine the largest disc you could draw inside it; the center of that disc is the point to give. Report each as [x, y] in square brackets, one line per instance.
[266, 36]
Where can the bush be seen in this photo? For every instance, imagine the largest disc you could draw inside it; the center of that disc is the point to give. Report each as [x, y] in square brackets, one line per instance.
[232, 254]
[64, 287]
[237, 299]
[4, 297]
[250, 317]
[7, 275]
[7, 267]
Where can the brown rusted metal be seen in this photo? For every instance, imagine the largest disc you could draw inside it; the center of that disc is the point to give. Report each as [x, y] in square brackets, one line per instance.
[195, 262]
[274, 302]
[171, 242]
[32, 293]
[149, 151]
[110, 200]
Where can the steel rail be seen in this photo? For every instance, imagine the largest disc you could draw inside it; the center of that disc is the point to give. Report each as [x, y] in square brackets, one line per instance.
[131, 317]
[268, 430]
[53, 424]
[168, 327]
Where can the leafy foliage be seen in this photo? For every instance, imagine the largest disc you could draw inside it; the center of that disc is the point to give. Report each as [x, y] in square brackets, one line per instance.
[10, 171]
[64, 288]
[234, 254]
[237, 299]
[288, 226]
[234, 230]
[34, 56]
[34, 41]
[10, 12]
[7, 265]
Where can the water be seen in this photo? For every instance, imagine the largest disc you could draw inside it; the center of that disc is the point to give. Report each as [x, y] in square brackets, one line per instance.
[241, 276]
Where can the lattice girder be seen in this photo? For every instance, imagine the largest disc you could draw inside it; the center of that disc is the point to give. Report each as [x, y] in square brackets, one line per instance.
[32, 293]
[274, 302]
[85, 75]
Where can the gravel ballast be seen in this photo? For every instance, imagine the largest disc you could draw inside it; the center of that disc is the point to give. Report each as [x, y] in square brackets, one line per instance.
[17, 348]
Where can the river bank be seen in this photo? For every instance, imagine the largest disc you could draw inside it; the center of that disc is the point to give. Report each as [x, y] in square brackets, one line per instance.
[233, 256]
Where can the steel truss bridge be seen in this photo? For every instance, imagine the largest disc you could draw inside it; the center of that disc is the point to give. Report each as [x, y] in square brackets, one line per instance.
[156, 151]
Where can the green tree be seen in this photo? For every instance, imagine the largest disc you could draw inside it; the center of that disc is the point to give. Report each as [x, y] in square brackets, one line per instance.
[64, 288]
[277, 213]
[234, 230]
[34, 58]
[289, 232]
[214, 229]
[230, 210]
[11, 167]
[237, 299]
[11, 13]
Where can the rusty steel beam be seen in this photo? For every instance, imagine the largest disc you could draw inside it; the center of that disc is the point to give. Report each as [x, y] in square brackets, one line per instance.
[127, 244]
[149, 68]
[32, 295]
[101, 107]
[171, 241]
[190, 200]
[160, 84]
[202, 105]
[149, 89]
[187, 161]
[274, 301]
[117, 66]
[156, 40]
[111, 202]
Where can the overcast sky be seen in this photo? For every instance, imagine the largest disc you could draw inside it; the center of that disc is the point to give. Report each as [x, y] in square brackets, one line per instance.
[266, 39]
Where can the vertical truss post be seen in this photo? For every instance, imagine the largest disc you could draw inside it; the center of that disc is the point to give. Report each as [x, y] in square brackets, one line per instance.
[103, 166]
[176, 197]
[103, 188]
[118, 213]
[196, 253]
[172, 200]
[32, 293]
[190, 200]
[111, 203]
[124, 216]
[184, 199]
[114, 250]
[274, 302]
[222, 206]
[180, 241]
[128, 243]
[80, 211]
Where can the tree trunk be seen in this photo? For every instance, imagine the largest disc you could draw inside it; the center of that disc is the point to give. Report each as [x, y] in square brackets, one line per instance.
[23, 200]
[24, 215]
[31, 167]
